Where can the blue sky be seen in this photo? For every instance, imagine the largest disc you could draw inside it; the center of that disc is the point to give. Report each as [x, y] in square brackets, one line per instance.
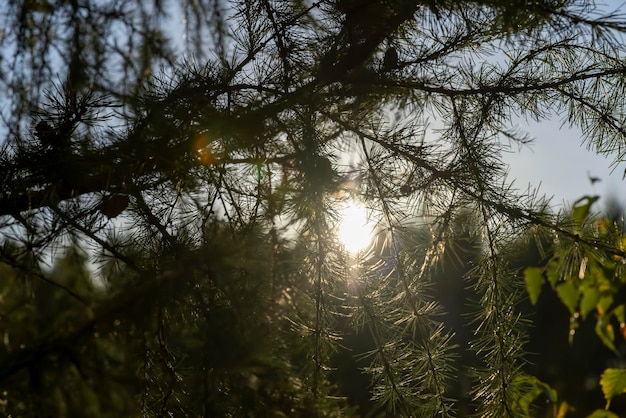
[559, 164]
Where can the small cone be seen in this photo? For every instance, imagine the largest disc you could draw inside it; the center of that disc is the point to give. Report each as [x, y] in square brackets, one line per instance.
[390, 61]
[45, 133]
[111, 206]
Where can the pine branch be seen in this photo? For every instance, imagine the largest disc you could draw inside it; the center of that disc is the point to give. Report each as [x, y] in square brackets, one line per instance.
[417, 316]
[504, 90]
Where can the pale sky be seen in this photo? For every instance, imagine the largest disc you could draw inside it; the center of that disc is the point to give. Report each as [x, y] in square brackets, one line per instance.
[560, 164]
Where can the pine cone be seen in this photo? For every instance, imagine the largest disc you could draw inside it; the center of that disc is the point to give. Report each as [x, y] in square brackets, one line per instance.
[390, 61]
[45, 133]
[111, 206]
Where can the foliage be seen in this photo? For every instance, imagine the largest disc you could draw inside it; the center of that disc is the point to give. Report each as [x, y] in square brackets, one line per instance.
[613, 383]
[180, 165]
[584, 278]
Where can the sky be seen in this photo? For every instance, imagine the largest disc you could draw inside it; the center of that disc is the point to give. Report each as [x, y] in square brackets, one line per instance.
[557, 161]
[559, 164]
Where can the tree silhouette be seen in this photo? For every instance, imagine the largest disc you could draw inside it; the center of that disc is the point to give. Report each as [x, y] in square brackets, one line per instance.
[180, 166]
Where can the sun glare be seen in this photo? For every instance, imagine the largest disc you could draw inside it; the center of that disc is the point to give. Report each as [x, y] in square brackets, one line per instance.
[354, 229]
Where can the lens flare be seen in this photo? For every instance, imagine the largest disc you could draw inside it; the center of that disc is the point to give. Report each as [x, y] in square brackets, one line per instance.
[354, 229]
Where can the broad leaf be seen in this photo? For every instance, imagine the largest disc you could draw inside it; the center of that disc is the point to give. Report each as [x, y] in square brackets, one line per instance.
[619, 313]
[605, 331]
[602, 413]
[533, 276]
[552, 272]
[581, 210]
[531, 388]
[613, 382]
[564, 408]
[589, 301]
[568, 294]
[604, 303]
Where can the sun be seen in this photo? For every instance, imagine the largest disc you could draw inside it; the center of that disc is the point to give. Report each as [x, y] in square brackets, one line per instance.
[354, 229]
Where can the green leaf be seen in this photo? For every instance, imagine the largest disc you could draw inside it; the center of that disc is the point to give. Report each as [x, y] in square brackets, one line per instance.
[589, 301]
[568, 294]
[533, 276]
[552, 272]
[530, 388]
[619, 313]
[581, 211]
[613, 382]
[604, 303]
[604, 330]
[602, 413]
[564, 408]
